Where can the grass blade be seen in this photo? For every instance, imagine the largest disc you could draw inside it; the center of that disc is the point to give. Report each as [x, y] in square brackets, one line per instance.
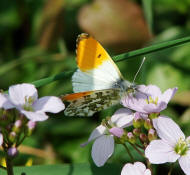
[121, 57]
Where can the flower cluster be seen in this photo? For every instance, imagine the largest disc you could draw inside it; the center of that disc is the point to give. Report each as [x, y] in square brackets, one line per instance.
[154, 136]
[20, 109]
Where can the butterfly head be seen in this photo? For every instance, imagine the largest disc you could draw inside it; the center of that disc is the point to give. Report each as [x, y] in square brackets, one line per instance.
[125, 86]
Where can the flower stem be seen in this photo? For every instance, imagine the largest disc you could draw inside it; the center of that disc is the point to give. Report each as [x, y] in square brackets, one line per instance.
[141, 147]
[128, 151]
[9, 164]
[137, 150]
[21, 140]
[171, 168]
[149, 166]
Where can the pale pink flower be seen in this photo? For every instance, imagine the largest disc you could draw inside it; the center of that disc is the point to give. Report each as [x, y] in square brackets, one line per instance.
[148, 99]
[137, 168]
[1, 139]
[171, 146]
[103, 146]
[24, 97]
[4, 102]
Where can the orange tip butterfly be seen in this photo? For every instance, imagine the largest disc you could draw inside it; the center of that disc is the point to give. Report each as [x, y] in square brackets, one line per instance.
[97, 83]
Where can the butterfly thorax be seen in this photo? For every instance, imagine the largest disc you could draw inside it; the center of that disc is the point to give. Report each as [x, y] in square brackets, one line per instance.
[125, 86]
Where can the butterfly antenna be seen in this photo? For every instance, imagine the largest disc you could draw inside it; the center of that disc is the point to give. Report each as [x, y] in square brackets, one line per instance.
[139, 69]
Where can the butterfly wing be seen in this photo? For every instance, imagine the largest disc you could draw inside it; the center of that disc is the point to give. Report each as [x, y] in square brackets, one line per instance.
[96, 68]
[87, 103]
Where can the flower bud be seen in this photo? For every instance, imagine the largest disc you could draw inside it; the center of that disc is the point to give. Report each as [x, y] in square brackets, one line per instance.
[152, 135]
[131, 137]
[148, 124]
[118, 132]
[143, 137]
[136, 132]
[31, 125]
[138, 120]
[103, 122]
[17, 126]
[12, 152]
[154, 115]
[12, 137]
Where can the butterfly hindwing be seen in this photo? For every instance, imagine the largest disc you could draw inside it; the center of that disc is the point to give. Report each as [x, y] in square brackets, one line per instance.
[87, 103]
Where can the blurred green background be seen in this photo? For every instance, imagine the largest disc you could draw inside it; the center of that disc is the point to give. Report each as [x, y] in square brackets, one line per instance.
[38, 39]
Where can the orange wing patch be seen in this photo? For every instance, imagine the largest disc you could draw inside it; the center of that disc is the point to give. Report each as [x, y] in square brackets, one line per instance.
[90, 54]
[75, 96]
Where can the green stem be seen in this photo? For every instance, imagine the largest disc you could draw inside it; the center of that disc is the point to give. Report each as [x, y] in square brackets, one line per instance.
[44, 81]
[9, 164]
[121, 57]
[171, 168]
[21, 140]
[139, 146]
[128, 151]
[137, 150]
[152, 48]
[149, 166]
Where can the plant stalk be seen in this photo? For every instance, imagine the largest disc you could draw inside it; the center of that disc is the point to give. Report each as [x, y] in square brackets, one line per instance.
[149, 166]
[117, 58]
[128, 151]
[9, 163]
[171, 168]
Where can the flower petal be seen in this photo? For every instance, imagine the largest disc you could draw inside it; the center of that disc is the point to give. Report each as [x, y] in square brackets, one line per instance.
[35, 116]
[135, 103]
[151, 108]
[118, 132]
[97, 132]
[49, 104]
[122, 117]
[168, 94]
[158, 151]
[19, 92]
[152, 90]
[188, 139]
[168, 130]
[184, 162]
[140, 166]
[102, 149]
[147, 172]
[1, 139]
[130, 169]
[4, 102]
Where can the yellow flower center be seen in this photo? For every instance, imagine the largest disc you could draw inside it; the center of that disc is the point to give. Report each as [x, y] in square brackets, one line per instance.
[150, 100]
[182, 146]
[28, 103]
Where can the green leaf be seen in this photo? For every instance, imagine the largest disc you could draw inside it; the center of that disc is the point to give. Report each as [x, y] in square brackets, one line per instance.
[70, 169]
[147, 6]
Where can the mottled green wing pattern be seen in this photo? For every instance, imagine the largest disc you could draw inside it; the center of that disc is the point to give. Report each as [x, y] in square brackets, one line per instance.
[94, 101]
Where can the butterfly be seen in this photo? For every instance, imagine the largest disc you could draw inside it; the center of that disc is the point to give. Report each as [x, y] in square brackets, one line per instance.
[97, 83]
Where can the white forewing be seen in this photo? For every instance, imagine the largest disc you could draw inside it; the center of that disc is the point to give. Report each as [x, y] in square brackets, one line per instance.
[102, 77]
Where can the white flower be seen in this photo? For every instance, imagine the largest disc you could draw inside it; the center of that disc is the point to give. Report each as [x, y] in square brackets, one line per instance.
[1, 139]
[137, 168]
[24, 97]
[148, 99]
[172, 145]
[4, 102]
[103, 146]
